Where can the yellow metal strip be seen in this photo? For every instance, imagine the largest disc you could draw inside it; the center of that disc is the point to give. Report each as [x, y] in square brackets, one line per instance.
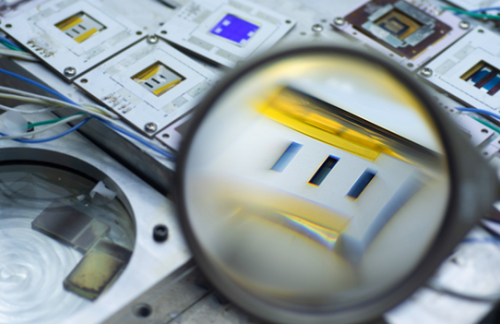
[159, 91]
[69, 23]
[321, 135]
[289, 109]
[86, 35]
[473, 70]
[147, 73]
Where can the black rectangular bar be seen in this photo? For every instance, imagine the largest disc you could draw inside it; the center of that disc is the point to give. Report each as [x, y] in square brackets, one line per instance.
[481, 83]
[324, 170]
[361, 184]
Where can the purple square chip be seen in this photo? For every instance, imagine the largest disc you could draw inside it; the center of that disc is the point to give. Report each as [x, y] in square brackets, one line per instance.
[234, 29]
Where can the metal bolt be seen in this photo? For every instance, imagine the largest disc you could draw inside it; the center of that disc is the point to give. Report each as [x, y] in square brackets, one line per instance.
[70, 71]
[464, 24]
[339, 21]
[426, 72]
[160, 233]
[150, 127]
[317, 28]
[152, 39]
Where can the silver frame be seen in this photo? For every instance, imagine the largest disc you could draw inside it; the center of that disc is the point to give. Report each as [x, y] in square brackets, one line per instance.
[151, 262]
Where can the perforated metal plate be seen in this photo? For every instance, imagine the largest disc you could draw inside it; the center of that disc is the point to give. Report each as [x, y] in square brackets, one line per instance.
[456, 70]
[427, 28]
[225, 32]
[71, 47]
[150, 84]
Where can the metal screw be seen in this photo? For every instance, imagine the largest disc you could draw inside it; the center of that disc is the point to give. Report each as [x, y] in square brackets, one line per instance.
[142, 310]
[150, 127]
[426, 72]
[317, 28]
[464, 24]
[70, 71]
[160, 233]
[339, 21]
[152, 39]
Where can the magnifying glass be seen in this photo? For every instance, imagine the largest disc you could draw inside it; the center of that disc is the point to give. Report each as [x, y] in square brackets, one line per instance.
[323, 185]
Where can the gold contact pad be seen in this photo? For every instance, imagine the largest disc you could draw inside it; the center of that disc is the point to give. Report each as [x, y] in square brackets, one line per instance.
[158, 79]
[80, 27]
[398, 24]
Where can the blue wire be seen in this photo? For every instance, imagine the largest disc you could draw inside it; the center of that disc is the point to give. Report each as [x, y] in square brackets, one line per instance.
[8, 41]
[41, 86]
[485, 9]
[478, 111]
[48, 139]
[127, 133]
[137, 138]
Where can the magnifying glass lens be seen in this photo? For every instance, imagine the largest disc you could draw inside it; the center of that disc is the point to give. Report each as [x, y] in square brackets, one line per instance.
[315, 180]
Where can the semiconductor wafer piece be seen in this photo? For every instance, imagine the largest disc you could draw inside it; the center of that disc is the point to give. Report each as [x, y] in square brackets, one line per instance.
[409, 33]
[70, 226]
[98, 269]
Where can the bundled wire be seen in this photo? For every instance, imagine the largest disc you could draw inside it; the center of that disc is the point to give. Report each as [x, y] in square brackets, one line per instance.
[55, 124]
[34, 98]
[110, 122]
[18, 54]
[48, 139]
[479, 111]
[10, 44]
[475, 13]
[48, 122]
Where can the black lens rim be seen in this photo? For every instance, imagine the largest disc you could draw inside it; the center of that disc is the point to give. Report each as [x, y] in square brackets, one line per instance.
[471, 194]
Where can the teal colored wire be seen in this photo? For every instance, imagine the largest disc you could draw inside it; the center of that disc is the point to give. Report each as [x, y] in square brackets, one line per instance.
[485, 123]
[10, 47]
[471, 13]
[48, 139]
[10, 43]
[110, 125]
[479, 111]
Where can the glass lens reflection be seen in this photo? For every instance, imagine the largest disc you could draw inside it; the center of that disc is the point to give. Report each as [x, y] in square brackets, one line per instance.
[316, 179]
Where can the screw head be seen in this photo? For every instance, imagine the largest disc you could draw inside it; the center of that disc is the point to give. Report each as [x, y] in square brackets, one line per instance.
[464, 24]
[339, 21]
[70, 71]
[426, 72]
[160, 233]
[150, 127]
[152, 39]
[317, 28]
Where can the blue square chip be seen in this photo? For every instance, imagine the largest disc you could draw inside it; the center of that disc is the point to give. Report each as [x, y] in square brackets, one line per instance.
[234, 29]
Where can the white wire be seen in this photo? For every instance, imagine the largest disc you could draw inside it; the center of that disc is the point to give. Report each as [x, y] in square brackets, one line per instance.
[33, 100]
[28, 112]
[64, 121]
[62, 103]
[112, 119]
[17, 54]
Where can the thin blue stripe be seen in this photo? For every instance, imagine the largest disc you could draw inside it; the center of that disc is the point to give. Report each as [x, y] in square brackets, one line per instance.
[286, 157]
